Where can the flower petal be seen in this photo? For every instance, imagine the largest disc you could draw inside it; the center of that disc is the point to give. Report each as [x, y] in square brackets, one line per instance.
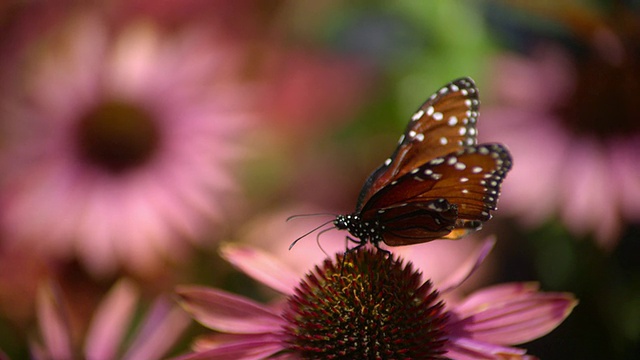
[512, 314]
[53, 324]
[241, 350]
[478, 300]
[262, 267]
[162, 327]
[467, 269]
[469, 349]
[226, 312]
[111, 320]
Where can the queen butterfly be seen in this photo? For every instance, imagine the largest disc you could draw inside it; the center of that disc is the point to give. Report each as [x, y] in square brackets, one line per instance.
[438, 183]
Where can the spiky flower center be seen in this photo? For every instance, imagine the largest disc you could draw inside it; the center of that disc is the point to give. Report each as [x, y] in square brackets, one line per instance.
[117, 136]
[365, 306]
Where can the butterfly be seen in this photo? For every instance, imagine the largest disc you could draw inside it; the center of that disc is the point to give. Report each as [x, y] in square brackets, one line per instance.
[438, 183]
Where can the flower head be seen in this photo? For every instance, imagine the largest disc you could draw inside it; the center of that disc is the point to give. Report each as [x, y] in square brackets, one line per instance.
[570, 118]
[369, 305]
[118, 141]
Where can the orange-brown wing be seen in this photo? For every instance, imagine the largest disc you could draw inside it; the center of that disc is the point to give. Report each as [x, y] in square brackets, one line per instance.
[418, 222]
[445, 123]
[467, 180]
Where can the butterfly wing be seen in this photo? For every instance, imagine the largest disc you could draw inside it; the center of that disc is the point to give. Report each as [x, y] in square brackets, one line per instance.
[445, 123]
[417, 222]
[418, 206]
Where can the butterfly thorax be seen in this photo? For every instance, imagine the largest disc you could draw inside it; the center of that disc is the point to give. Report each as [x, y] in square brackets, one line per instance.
[364, 231]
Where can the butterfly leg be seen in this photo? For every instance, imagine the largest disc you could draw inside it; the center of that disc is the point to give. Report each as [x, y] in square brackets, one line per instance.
[360, 243]
[384, 251]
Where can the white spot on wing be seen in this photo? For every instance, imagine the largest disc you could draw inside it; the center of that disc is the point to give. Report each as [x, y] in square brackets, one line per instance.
[430, 110]
[417, 115]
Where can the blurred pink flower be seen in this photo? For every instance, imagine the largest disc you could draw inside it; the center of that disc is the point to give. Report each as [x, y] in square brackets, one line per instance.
[572, 124]
[312, 90]
[118, 142]
[111, 323]
[481, 326]
[573, 157]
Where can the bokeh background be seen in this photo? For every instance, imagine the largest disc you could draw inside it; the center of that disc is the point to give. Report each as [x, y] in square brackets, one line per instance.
[138, 136]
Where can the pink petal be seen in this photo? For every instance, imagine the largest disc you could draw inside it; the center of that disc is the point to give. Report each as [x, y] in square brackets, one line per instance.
[468, 349]
[588, 190]
[226, 312]
[465, 270]
[4, 356]
[162, 327]
[531, 189]
[243, 350]
[36, 351]
[624, 159]
[215, 340]
[111, 321]
[262, 267]
[497, 293]
[53, 323]
[514, 318]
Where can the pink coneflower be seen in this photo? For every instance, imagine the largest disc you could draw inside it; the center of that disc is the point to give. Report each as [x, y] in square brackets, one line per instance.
[311, 90]
[109, 328]
[368, 305]
[572, 122]
[118, 142]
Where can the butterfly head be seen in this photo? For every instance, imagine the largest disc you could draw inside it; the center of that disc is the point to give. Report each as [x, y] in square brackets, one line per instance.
[341, 222]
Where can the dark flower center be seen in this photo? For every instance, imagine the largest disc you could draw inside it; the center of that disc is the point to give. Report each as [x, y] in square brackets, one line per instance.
[367, 306]
[117, 136]
[604, 103]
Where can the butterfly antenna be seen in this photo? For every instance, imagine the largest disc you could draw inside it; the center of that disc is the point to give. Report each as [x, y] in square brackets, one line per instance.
[309, 232]
[309, 215]
[318, 239]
